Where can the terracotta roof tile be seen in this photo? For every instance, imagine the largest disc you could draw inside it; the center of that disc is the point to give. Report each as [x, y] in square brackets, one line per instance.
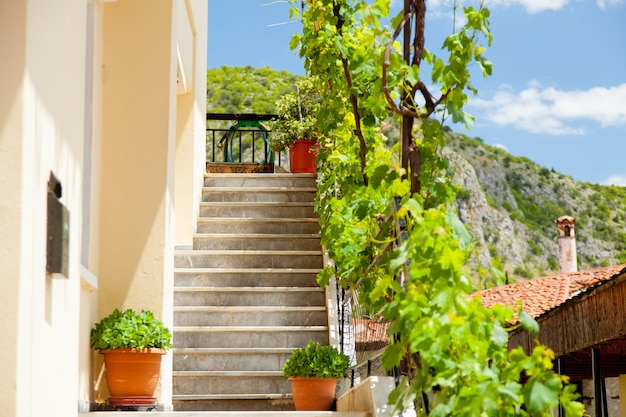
[540, 295]
[368, 331]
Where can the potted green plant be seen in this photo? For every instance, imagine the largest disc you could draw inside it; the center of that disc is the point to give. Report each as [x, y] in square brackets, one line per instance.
[296, 128]
[314, 371]
[132, 345]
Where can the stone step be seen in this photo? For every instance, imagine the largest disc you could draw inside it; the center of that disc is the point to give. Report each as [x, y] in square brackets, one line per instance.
[249, 296]
[256, 180]
[247, 259]
[290, 241]
[230, 382]
[248, 336]
[268, 194]
[249, 316]
[245, 277]
[252, 405]
[232, 386]
[206, 359]
[277, 225]
[257, 209]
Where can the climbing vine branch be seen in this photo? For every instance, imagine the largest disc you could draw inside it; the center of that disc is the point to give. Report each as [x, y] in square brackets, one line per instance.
[454, 350]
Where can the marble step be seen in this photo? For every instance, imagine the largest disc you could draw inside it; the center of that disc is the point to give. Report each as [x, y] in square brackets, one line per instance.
[257, 209]
[253, 359]
[249, 296]
[230, 382]
[253, 194]
[247, 259]
[247, 336]
[250, 316]
[247, 241]
[253, 405]
[245, 277]
[256, 180]
[275, 225]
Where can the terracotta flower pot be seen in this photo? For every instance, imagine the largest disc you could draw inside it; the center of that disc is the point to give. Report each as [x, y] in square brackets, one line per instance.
[132, 373]
[313, 394]
[302, 154]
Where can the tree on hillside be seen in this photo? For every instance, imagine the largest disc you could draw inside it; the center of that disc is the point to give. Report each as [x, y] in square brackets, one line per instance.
[453, 350]
[247, 89]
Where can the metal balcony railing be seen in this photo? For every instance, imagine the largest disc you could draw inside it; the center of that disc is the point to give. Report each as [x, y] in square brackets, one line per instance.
[240, 138]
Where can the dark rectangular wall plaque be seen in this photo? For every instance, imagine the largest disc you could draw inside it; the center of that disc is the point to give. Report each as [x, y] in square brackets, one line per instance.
[58, 225]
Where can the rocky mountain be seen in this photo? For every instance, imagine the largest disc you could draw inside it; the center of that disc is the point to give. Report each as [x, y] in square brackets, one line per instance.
[508, 203]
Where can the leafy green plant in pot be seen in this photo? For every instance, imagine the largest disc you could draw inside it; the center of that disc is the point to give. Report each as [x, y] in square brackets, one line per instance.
[313, 371]
[132, 345]
[296, 128]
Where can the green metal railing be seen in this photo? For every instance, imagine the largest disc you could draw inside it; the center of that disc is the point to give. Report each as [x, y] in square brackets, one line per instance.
[240, 138]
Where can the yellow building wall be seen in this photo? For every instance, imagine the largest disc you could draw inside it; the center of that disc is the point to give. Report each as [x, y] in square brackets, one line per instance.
[137, 160]
[152, 153]
[191, 118]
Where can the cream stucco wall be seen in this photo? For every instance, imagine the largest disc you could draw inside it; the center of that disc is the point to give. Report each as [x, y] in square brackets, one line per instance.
[149, 164]
[41, 131]
[88, 92]
[191, 118]
[136, 160]
[13, 46]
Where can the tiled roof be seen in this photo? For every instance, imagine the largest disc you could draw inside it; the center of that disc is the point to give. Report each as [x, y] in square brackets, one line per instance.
[540, 295]
[368, 331]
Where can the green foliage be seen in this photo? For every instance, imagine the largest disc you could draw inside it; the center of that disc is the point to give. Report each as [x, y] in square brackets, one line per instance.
[454, 349]
[537, 215]
[297, 114]
[316, 360]
[129, 329]
[553, 264]
[535, 249]
[523, 271]
[463, 194]
[247, 89]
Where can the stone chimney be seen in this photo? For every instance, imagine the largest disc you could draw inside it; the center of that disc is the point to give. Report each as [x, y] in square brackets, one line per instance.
[567, 244]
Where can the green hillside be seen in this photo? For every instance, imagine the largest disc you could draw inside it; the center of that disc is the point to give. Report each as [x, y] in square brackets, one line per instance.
[246, 89]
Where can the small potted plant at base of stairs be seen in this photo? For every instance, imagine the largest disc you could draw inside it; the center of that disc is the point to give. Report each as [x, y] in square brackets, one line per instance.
[314, 371]
[132, 345]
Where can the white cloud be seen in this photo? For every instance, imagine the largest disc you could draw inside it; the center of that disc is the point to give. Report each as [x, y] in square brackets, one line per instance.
[604, 4]
[537, 6]
[531, 6]
[556, 112]
[500, 146]
[616, 180]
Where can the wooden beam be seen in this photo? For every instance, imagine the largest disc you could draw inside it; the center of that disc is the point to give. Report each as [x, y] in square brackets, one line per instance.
[596, 317]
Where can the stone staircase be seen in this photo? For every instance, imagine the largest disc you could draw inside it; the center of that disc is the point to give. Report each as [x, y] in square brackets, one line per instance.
[246, 294]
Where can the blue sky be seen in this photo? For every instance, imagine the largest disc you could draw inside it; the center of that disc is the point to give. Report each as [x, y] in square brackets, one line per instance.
[557, 94]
